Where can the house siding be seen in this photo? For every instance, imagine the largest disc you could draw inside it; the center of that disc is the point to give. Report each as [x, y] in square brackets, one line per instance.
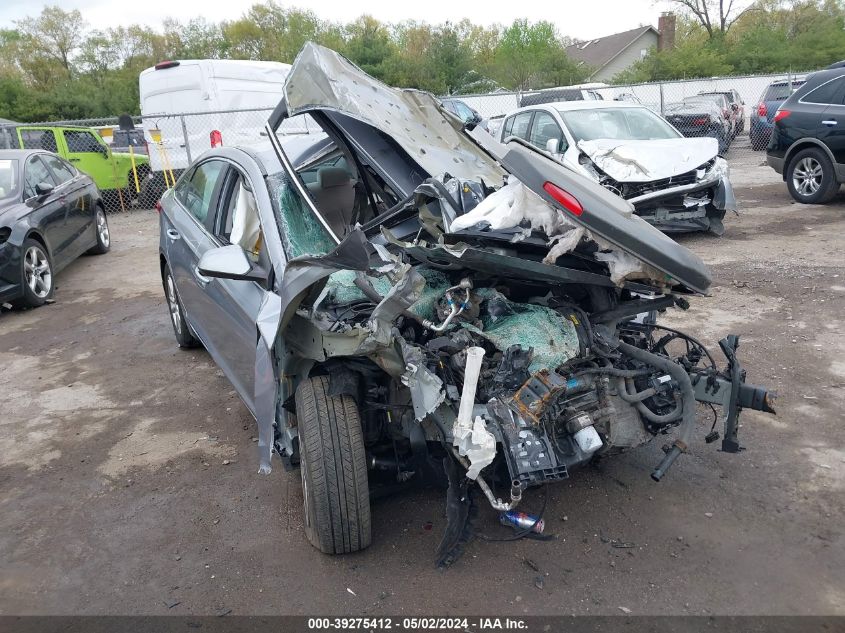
[626, 58]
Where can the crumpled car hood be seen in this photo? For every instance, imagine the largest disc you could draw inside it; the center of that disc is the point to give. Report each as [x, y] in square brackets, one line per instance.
[644, 161]
[325, 80]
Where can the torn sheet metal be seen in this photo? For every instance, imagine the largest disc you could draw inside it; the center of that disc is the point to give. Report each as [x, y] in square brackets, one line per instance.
[265, 391]
[321, 78]
[426, 388]
[643, 161]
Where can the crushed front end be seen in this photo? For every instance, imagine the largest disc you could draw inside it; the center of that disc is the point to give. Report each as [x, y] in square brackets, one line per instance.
[693, 196]
[496, 323]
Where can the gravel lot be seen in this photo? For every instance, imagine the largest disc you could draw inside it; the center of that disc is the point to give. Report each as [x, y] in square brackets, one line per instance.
[129, 485]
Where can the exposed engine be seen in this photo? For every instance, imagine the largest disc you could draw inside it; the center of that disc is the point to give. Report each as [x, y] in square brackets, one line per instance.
[521, 383]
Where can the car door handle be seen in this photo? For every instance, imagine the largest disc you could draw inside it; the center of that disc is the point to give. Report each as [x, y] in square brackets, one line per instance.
[201, 279]
[73, 160]
[173, 235]
[829, 122]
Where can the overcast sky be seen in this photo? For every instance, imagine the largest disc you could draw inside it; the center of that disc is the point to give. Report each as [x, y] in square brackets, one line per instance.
[582, 20]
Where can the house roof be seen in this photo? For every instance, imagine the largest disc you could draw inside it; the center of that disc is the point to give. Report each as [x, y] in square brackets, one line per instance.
[598, 52]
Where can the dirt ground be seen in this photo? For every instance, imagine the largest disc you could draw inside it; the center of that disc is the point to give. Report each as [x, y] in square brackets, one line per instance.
[128, 467]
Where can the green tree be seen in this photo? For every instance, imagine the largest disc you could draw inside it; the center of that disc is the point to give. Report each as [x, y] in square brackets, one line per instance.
[55, 35]
[533, 56]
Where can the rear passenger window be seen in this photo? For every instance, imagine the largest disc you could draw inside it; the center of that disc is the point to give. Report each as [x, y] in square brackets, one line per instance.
[61, 170]
[520, 125]
[36, 172]
[196, 190]
[826, 93]
[39, 139]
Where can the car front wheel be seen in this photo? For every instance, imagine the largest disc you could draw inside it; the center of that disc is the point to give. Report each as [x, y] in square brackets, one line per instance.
[811, 178]
[36, 275]
[334, 470]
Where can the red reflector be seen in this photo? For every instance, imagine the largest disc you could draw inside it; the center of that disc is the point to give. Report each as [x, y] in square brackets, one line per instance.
[569, 202]
[781, 114]
[700, 121]
[158, 206]
[762, 110]
[163, 65]
[216, 138]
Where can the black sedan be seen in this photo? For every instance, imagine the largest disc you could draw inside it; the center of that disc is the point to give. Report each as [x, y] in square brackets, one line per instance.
[50, 214]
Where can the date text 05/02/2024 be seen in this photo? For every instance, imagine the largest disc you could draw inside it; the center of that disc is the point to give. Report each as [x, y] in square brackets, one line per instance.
[417, 624]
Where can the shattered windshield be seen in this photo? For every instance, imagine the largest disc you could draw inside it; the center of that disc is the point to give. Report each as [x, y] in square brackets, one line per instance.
[9, 185]
[629, 124]
[300, 230]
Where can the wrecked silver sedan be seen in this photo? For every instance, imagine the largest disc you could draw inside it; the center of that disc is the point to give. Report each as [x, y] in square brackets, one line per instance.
[675, 183]
[407, 301]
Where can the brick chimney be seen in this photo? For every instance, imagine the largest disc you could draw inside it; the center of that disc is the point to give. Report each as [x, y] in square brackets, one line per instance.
[666, 31]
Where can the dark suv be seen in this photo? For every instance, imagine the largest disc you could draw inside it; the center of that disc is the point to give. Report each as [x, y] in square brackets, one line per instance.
[808, 138]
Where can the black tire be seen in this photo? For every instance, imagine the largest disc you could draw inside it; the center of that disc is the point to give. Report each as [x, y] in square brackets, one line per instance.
[181, 329]
[722, 140]
[101, 226]
[34, 258]
[334, 469]
[810, 177]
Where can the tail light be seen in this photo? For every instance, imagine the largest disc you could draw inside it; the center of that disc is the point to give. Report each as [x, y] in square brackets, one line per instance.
[569, 202]
[701, 121]
[158, 206]
[216, 138]
[762, 110]
[781, 114]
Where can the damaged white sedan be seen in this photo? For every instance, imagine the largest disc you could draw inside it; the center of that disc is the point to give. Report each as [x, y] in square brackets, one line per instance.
[675, 183]
[408, 302]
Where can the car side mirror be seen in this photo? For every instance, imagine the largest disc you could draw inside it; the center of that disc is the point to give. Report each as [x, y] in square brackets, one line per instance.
[229, 262]
[44, 188]
[552, 146]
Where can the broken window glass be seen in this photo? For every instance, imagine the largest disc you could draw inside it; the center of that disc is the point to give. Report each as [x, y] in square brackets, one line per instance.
[301, 231]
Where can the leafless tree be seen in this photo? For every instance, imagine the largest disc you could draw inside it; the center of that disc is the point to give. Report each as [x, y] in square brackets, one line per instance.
[716, 16]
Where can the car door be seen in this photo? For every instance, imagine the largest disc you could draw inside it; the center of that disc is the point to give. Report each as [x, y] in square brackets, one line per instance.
[187, 236]
[83, 149]
[237, 303]
[48, 211]
[79, 212]
[823, 112]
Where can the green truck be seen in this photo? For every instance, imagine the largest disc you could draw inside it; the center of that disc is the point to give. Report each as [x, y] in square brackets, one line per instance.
[88, 152]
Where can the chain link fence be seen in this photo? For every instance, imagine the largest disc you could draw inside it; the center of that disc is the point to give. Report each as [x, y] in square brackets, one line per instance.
[132, 168]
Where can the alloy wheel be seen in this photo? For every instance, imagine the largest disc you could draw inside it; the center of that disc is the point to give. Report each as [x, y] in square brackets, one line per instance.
[37, 273]
[807, 176]
[173, 302]
[102, 228]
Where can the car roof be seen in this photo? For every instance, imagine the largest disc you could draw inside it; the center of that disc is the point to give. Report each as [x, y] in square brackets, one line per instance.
[784, 82]
[21, 154]
[566, 106]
